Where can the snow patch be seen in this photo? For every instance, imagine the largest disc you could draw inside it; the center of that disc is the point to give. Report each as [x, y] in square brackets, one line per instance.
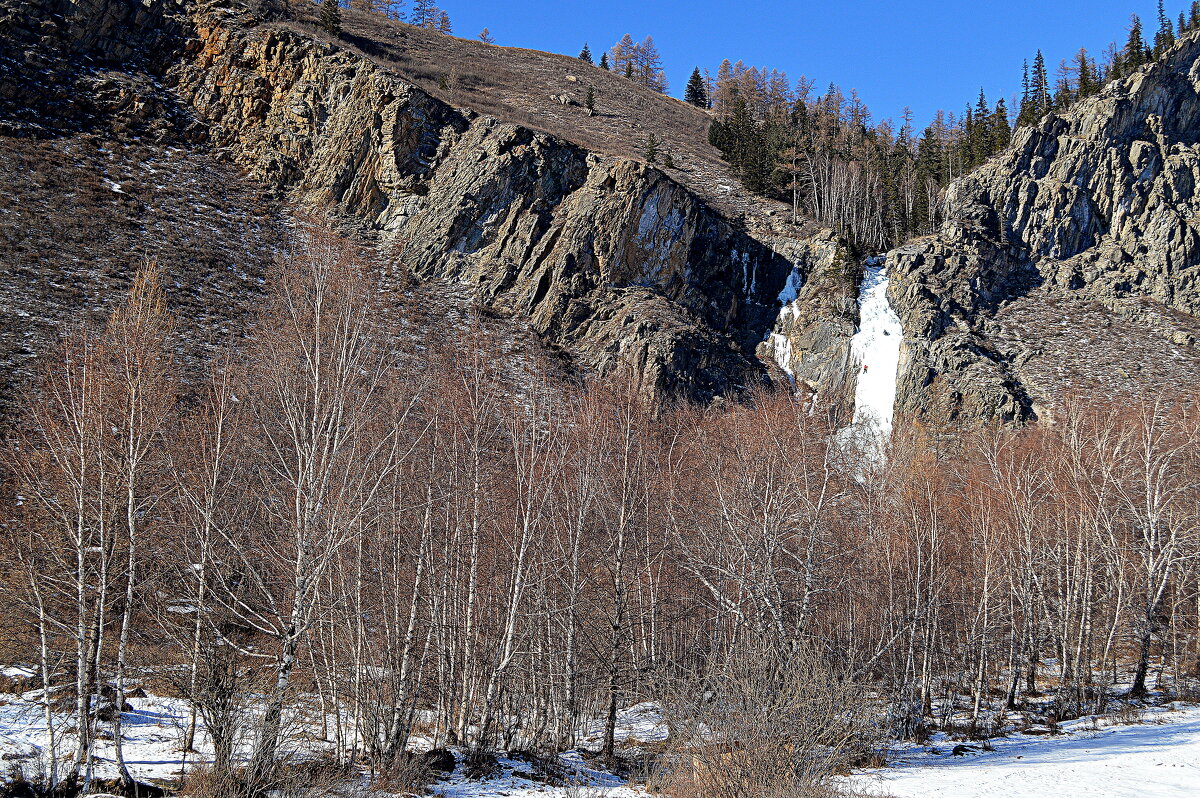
[1160, 759]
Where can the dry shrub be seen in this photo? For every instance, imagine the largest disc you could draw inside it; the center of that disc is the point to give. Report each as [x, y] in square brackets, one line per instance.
[402, 774]
[207, 782]
[765, 721]
[312, 778]
[1130, 714]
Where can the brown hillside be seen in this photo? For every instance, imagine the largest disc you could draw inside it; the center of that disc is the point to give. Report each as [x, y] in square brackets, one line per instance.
[518, 85]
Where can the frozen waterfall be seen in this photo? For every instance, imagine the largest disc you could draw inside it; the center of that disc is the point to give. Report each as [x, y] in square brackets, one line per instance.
[875, 354]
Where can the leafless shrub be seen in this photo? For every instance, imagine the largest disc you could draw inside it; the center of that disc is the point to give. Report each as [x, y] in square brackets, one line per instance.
[1130, 714]
[765, 723]
[401, 774]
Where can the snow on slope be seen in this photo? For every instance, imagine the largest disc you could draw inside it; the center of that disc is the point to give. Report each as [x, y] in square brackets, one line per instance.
[1160, 759]
[875, 351]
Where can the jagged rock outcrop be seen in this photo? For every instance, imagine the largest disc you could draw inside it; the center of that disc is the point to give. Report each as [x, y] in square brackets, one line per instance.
[69, 65]
[1092, 212]
[810, 340]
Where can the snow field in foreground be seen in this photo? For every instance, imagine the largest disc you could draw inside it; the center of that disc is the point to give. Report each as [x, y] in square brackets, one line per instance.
[1158, 759]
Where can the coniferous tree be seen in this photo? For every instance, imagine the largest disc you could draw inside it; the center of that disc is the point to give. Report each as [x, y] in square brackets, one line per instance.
[1134, 54]
[1039, 87]
[1165, 36]
[1087, 80]
[981, 146]
[424, 14]
[653, 75]
[443, 23]
[623, 55]
[1001, 129]
[696, 92]
[589, 101]
[331, 17]
[1025, 109]
[1064, 89]
[585, 55]
[652, 149]
[486, 37]
[604, 61]
[1194, 16]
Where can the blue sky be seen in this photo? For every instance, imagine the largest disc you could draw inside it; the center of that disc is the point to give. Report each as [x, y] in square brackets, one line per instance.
[920, 53]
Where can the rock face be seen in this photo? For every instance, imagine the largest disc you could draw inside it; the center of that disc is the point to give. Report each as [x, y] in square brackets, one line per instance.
[1069, 263]
[810, 341]
[1067, 259]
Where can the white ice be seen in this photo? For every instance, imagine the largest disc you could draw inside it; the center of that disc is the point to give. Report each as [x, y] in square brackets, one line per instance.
[875, 354]
[1160, 759]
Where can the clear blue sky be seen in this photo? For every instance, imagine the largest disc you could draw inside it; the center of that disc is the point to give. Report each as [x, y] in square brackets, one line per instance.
[920, 53]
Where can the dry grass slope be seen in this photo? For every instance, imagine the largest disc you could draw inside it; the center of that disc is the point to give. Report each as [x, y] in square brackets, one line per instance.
[520, 86]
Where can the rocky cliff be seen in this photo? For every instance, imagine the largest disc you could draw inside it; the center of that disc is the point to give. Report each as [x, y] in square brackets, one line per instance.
[605, 257]
[1070, 262]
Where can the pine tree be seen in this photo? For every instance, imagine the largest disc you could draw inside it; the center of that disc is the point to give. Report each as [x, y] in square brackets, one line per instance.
[1165, 36]
[486, 37]
[1087, 81]
[331, 17]
[981, 145]
[652, 149]
[585, 55]
[629, 69]
[1134, 54]
[443, 23]
[1194, 16]
[1025, 109]
[590, 101]
[696, 93]
[1039, 87]
[1000, 128]
[604, 61]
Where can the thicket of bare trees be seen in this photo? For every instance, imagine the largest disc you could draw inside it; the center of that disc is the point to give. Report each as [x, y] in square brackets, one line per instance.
[390, 539]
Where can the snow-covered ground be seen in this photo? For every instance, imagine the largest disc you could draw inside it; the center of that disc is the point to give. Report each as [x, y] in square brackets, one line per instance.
[511, 783]
[153, 732]
[1157, 759]
[1098, 758]
[875, 353]
[155, 729]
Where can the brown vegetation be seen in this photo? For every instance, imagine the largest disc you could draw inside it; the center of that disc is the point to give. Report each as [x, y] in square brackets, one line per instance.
[422, 531]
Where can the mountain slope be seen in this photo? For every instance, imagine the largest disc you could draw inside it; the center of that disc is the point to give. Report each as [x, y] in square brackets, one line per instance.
[1070, 263]
[605, 257]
